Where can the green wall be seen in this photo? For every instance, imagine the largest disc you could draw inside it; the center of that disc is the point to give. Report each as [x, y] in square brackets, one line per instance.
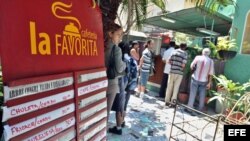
[238, 69]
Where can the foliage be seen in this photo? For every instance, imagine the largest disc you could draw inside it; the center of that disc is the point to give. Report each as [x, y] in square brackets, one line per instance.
[136, 11]
[213, 5]
[214, 53]
[224, 43]
[231, 91]
[183, 38]
[192, 52]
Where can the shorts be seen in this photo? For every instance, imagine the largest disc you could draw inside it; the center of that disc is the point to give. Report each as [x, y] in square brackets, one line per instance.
[143, 78]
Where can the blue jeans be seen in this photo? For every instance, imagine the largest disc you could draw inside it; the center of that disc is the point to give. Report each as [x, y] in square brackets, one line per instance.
[201, 88]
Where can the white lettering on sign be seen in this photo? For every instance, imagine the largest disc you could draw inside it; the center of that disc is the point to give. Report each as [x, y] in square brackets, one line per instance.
[92, 99]
[10, 112]
[91, 76]
[87, 124]
[17, 129]
[29, 89]
[91, 111]
[236, 132]
[53, 131]
[92, 87]
[94, 131]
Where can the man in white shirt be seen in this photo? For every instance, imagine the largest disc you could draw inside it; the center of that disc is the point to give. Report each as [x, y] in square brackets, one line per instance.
[165, 58]
[201, 78]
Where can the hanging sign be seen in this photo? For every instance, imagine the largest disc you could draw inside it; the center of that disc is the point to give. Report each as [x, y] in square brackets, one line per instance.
[51, 37]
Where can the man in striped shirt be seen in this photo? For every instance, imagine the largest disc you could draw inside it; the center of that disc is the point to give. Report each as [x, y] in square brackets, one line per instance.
[146, 62]
[201, 78]
[177, 60]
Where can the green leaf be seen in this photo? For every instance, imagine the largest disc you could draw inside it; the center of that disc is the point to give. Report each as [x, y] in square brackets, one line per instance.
[159, 3]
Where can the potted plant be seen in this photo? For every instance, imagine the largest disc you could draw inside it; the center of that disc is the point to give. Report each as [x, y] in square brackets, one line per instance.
[226, 48]
[229, 92]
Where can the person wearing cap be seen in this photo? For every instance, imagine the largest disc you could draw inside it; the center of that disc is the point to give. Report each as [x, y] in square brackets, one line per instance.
[177, 61]
[201, 78]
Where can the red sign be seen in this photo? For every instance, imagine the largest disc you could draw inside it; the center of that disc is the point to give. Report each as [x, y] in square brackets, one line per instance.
[47, 37]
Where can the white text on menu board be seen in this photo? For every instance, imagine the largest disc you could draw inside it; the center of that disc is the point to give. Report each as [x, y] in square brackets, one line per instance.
[92, 87]
[10, 112]
[52, 130]
[24, 90]
[30, 124]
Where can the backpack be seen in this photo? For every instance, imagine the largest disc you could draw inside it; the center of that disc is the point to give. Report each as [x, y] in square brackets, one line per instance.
[111, 70]
[131, 72]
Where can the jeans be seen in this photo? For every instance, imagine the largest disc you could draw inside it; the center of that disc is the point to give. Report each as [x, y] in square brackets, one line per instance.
[201, 88]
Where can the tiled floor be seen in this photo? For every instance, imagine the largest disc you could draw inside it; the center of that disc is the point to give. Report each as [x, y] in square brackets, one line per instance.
[150, 120]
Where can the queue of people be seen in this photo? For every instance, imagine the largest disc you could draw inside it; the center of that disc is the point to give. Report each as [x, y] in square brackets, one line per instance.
[127, 71]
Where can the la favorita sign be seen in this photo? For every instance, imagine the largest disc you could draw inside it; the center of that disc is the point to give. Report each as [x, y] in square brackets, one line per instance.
[45, 37]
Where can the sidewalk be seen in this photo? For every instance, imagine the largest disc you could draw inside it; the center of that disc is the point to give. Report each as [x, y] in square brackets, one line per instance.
[150, 120]
[146, 120]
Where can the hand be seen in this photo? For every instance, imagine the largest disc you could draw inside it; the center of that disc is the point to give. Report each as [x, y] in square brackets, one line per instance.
[138, 67]
[208, 86]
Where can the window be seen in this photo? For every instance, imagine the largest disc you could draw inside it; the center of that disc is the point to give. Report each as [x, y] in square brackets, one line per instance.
[246, 37]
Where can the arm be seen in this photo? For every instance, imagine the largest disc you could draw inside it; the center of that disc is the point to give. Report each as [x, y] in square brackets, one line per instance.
[210, 75]
[141, 62]
[184, 61]
[119, 64]
[193, 63]
[209, 81]
[134, 54]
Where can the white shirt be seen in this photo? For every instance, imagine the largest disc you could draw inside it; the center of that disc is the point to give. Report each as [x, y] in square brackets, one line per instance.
[166, 56]
[204, 67]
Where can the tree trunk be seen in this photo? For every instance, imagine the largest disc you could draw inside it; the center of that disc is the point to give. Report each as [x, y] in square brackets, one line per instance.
[109, 10]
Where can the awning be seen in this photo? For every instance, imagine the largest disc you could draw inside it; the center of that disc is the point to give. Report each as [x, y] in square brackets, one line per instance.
[188, 20]
[137, 33]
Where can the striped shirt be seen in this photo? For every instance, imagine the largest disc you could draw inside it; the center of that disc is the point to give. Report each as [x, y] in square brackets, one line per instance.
[177, 59]
[147, 60]
[204, 67]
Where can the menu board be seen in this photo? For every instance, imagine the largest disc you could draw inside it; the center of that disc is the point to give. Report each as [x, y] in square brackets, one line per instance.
[92, 107]
[53, 69]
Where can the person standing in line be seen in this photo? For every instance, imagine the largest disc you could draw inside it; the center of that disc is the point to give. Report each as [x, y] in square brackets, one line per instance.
[203, 67]
[165, 58]
[119, 102]
[145, 64]
[131, 74]
[115, 34]
[134, 51]
[177, 60]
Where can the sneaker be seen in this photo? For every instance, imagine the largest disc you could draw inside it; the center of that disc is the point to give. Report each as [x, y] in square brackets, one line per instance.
[172, 106]
[114, 130]
[142, 96]
[190, 112]
[137, 94]
[123, 124]
[167, 104]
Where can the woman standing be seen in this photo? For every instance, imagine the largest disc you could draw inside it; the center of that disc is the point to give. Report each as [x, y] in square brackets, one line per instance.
[115, 35]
